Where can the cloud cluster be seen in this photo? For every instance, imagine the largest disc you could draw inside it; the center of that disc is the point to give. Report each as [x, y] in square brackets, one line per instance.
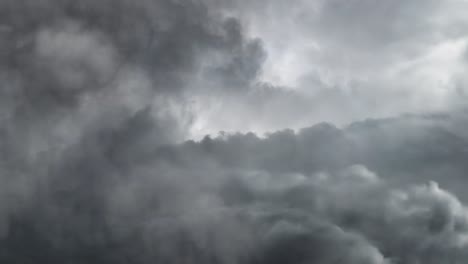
[115, 197]
[98, 98]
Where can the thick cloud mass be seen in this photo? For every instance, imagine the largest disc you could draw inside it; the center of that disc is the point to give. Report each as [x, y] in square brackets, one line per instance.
[100, 101]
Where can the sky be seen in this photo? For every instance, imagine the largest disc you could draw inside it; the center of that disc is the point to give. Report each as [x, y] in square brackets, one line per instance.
[233, 132]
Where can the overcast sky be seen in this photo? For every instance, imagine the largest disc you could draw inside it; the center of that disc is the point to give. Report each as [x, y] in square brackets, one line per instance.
[350, 60]
[233, 132]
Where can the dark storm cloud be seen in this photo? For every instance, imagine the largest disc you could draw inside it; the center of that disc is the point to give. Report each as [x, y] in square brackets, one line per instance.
[89, 89]
[56, 53]
[310, 198]
[408, 144]
[94, 102]
[114, 197]
[70, 69]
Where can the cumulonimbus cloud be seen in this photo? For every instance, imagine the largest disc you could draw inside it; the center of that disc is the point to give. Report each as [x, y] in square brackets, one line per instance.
[95, 165]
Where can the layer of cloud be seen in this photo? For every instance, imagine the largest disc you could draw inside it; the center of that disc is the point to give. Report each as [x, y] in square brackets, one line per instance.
[98, 98]
[363, 194]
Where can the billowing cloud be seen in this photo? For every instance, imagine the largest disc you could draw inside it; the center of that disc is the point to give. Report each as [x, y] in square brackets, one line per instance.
[289, 197]
[104, 107]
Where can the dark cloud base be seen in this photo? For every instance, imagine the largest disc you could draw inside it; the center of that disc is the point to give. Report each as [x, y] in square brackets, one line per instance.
[94, 167]
[287, 198]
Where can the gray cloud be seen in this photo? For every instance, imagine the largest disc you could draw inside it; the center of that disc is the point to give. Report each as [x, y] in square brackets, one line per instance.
[351, 60]
[97, 99]
[290, 197]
